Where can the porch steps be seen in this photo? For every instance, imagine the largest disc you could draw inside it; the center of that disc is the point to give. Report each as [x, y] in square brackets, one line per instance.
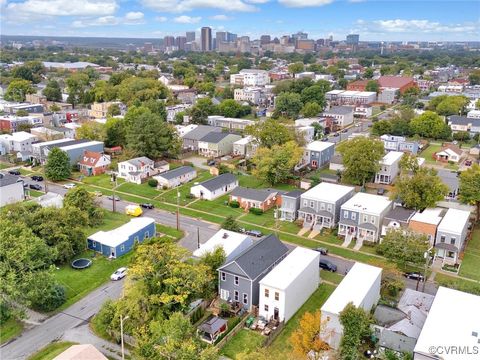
[358, 245]
[348, 240]
[303, 231]
[313, 234]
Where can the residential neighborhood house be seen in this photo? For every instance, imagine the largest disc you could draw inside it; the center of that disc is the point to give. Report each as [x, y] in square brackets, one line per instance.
[175, 177]
[93, 163]
[215, 187]
[263, 199]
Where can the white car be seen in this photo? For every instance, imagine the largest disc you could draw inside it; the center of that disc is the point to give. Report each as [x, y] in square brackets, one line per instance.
[119, 274]
[69, 186]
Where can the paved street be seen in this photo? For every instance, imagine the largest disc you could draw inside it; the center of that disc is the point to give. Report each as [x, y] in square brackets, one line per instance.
[53, 328]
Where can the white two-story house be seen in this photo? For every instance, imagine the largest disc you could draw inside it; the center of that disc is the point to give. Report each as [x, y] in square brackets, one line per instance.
[389, 168]
[137, 170]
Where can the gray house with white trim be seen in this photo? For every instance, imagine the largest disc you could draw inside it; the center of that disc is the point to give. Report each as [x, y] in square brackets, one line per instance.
[176, 177]
[238, 280]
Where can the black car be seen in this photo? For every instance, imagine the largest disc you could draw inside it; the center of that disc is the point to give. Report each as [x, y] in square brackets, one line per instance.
[14, 172]
[211, 162]
[344, 130]
[414, 276]
[36, 178]
[327, 265]
[147, 206]
[35, 187]
[380, 191]
[336, 135]
[116, 198]
[321, 250]
[255, 233]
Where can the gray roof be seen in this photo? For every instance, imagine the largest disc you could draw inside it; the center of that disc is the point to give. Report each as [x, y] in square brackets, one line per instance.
[218, 181]
[256, 259]
[400, 213]
[348, 222]
[463, 120]
[294, 193]
[449, 247]
[368, 226]
[172, 174]
[253, 194]
[342, 110]
[140, 161]
[449, 178]
[214, 137]
[68, 143]
[7, 179]
[308, 210]
[212, 325]
[200, 131]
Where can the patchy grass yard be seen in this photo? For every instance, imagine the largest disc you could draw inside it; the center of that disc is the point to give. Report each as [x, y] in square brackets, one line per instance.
[167, 230]
[103, 180]
[9, 329]
[144, 190]
[35, 193]
[5, 166]
[170, 196]
[244, 341]
[217, 207]
[281, 347]
[470, 265]
[251, 181]
[51, 350]
[266, 219]
[332, 277]
[429, 151]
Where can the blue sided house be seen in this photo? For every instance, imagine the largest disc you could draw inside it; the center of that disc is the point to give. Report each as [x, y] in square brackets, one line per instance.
[119, 241]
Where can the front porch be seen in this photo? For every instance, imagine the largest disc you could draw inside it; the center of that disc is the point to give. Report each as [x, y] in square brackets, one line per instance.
[447, 254]
[315, 220]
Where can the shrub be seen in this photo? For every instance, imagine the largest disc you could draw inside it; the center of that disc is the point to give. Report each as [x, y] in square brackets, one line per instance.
[255, 211]
[164, 187]
[234, 204]
[5, 312]
[152, 182]
[51, 300]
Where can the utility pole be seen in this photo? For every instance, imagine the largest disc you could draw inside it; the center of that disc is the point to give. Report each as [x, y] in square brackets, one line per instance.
[122, 319]
[198, 237]
[427, 261]
[178, 210]
[114, 205]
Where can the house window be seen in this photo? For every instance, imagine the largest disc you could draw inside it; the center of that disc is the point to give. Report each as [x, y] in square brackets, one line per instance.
[277, 296]
[311, 204]
[365, 218]
[322, 206]
[245, 298]
[345, 214]
[452, 240]
[329, 207]
[354, 216]
[305, 203]
[266, 308]
[224, 276]
[236, 280]
[135, 239]
[267, 293]
[236, 295]
[372, 219]
[147, 235]
[94, 244]
[442, 238]
[122, 248]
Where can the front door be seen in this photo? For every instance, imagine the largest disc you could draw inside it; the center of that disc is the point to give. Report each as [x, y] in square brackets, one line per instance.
[224, 294]
[275, 313]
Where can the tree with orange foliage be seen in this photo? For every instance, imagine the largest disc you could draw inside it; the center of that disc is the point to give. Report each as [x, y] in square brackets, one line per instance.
[306, 338]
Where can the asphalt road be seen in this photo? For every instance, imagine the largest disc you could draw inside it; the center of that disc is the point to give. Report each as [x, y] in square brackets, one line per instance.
[54, 327]
[343, 135]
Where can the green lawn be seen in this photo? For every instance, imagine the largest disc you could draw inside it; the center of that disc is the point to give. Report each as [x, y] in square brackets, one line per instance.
[452, 282]
[140, 190]
[428, 153]
[216, 207]
[470, 265]
[250, 181]
[111, 220]
[244, 341]
[103, 180]
[266, 219]
[166, 230]
[51, 351]
[281, 347]
[170, 196]
[332, 277]
[10, 329]
[5, 166]
[35, 193]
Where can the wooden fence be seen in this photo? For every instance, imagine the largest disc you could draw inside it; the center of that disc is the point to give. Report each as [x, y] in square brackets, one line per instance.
[233, 332]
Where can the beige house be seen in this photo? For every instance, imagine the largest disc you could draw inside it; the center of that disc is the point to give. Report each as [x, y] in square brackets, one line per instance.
[99, 110]
[217, 144]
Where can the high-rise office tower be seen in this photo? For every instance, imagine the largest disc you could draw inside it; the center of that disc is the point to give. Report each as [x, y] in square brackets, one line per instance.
[206, 38]
[231, 37]
[168, 41]
[190, 35]
[220, 36]
[265, 39]
[180, 41]
[353, 39]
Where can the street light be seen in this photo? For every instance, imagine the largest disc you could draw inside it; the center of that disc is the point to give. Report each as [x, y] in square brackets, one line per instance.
[122, 319]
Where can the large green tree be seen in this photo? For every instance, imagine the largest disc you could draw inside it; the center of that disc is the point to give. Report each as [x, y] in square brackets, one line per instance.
[469, 192]
[201, 110]
[356, 327]
[57, 166]
[274, 165]
[315, 94]
[115, 132]
[231, 108]
[18, 89]
[52, 91]
[91, 130]
[270, 132]
[421, 190]
[430, 125]
[288, 104]
[403, 247]
[85, 201]
[372, 85]
[361, 159]
[138, 89]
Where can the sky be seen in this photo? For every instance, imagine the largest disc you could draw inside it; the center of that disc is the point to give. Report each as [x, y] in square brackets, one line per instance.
[389, 20]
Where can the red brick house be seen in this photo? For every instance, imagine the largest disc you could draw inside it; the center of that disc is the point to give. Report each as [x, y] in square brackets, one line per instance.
[93, 163]
[263, 199]
[402, 83]
[358, 85]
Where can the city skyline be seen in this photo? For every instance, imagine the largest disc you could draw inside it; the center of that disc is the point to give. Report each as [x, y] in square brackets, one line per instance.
[372, 20]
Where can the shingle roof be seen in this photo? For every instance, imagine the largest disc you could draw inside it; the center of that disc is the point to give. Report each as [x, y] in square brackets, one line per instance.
[172, 174]
[257, 258]
[294, 193]
[253, 194]
[200, 131]
[342, 110]
[7, 179]
[218, 181]
[394, 81]
[400, 213]
[214, 137]
[140, 161]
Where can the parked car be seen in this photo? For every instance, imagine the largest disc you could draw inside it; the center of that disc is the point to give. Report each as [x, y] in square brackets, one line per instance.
[69, 186]
[36, 178]
[336, 135]
[211, 162]
[327, 265]
[414, 276]
[344, 130]
[14, 172]
[147, 206]
[110, 197]
[468, 162]
[255, 233]
[119, 274]
[380, 191]
[324, 139]
[97, 193]
[322, 250]
[35, 187]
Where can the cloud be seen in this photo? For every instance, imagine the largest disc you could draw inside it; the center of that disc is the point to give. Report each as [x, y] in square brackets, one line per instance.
[130, 18]
[185, 19]
[178, 6]
[64, 7]
[134, 18]
[161, 18]
[415, 26]
[220, 17]
[304, 3]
